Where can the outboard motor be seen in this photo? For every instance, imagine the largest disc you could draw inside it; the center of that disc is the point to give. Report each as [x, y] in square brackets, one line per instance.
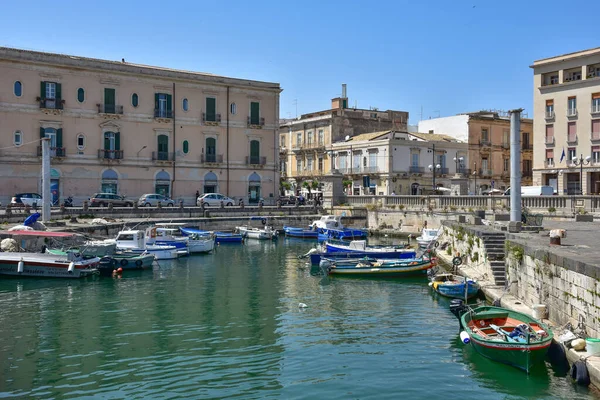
[458, 308]
[107, 265]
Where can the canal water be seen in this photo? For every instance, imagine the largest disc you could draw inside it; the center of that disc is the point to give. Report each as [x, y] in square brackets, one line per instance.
[229, 325]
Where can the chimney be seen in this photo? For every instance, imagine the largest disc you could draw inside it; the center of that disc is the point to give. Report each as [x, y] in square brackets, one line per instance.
[344, 91]
[340, 102]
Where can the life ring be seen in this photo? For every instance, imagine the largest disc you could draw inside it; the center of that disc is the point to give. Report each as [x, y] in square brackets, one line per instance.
[579, 373]
[124, 262]
[436, 244]
[456, 261]
[138, 263]
[336, 224]
[264, 221]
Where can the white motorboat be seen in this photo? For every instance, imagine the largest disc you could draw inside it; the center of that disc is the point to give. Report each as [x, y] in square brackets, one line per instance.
[46, 265]
[328, 222]
[428, 236]
[135, 241]
[170, 234]
[267, 232]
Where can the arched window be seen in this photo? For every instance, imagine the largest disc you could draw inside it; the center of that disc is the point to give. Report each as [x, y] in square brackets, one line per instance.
[18, 88]
[18, 138]
[211, 150]
[185, 104]
[233, 108]
[254, 188]
[80, 141]
[162, 183]
[134, 100]
[186, 147]
[109, 181]
[254, 152]
[80, 95]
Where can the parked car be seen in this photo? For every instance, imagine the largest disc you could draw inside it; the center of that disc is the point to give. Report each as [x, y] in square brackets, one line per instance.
[27, 199]
[152, 199]
[534, 191]
[104, 199]
[287, 200]
[214, 200]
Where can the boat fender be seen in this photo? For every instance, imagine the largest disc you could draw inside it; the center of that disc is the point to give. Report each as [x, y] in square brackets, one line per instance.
[464, 337]
[436, 244]
[336, 224]
[124, 262]
[558, 356]
[20, 266]
[456, 261]
[71, 267]
[579, 373]
[264, 221]
[138, 263]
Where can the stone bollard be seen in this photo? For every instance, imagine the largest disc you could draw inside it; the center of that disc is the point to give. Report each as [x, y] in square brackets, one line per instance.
[206, 213]
[135, 205]
[278, 203]
[181, 204]
[159, 204]
[261, 204]
[222, 204]
[110, 206]
[556, 235]
[86, 205]
[8, 210]
[62, 208]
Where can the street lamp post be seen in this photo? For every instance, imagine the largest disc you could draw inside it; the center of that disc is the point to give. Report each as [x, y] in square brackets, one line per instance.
[433, 167]
[580, 162]
[458, 162]
[475, 176]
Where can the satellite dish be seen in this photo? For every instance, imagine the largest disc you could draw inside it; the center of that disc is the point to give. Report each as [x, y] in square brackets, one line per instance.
[347, 137]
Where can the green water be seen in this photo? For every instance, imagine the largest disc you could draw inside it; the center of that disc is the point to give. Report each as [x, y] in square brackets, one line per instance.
[228, 325]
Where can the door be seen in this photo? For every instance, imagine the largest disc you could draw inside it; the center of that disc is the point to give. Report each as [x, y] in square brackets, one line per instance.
[254, 152]
[111, 144]
[163, 147]
[211, 150]
[254, 113]
[109, 100]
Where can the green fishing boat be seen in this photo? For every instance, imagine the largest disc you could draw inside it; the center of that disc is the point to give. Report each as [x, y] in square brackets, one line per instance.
[125, 259]
[503, 335]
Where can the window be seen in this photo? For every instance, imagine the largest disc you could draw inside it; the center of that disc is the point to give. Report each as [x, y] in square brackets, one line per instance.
[320, 164]
[526, 140]
[50, 90]
[254, 152]
[595, 129]
[211, 109]
[299, 165]
[549, 157]
[596, 103]
[484, 164]
[80, 141]
[342, 161]
[553, 79]
[505, 137]
[163, 147]
[356, 161]
[309, 138]
[184, 104]
[163, 105]
[211, 149]
[572, 154]
[281, 140]
[18, 138]
[484, 135]
[80, 95]
[549, 108]
[572, 104]
[506, 161]
[442, 160]
[527, 167]
[299, 139]
[134, 100]
[415, 159]
[112, 145]
[320, 137]
[372, 159]
[571, 132]
[309, 163]
[186, 147]
[254, 113]
[18, 89]
[549, 133]
[596, 154]
[233, 108]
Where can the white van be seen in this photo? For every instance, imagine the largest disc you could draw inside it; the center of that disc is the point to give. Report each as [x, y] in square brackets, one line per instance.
[534, 191]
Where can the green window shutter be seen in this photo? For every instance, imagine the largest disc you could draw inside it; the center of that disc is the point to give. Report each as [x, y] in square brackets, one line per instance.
[156, 100]
[254, 149]
[117, 140]
[106, 142]
[169, 103]
[163, 143]
[58, 91]
[109, 97]
[42, 89]
[211, 146]
[255, 113]
[211, 109]
[42, 133]
[186, 147]
[59, 142]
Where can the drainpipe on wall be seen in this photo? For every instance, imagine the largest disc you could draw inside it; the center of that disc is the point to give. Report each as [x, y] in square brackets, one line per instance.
[174, 144]
[275, 147]
[227, 147]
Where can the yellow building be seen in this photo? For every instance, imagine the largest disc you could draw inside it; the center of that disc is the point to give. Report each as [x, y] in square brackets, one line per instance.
[134, 129]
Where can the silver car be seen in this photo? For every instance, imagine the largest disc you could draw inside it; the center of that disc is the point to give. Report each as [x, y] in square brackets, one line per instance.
[214, 200]
[152, 199]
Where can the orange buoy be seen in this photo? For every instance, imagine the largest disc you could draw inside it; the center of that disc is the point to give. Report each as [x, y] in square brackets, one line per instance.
[119, 270]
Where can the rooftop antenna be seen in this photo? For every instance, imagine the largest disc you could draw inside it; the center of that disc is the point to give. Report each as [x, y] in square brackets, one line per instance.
[296, 104]
[421, 112]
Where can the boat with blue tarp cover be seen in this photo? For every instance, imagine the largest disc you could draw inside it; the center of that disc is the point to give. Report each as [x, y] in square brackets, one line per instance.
[220, 237]
[304, 233]
[333, 245]
[315, 255]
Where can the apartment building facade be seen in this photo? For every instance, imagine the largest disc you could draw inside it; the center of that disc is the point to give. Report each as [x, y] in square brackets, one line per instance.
[401, 163]
[133, 129]
[566, 102]
[306, 142]
[488, 136]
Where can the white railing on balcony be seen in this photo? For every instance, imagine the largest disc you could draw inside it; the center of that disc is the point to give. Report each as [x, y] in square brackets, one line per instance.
[549, 114]
[549, 139]
[571, 112]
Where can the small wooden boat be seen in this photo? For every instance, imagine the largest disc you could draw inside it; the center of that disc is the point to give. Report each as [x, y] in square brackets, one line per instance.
[170, 234]
[303, 233]
[428, 236]
[267, 232]
[361, 246]
[47, 265]
[503, 335]
[123, 259]
[220, 237]
[454, 286]
[378, 267]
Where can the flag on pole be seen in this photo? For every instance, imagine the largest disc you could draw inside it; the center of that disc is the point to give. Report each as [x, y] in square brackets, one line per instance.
[562, 156]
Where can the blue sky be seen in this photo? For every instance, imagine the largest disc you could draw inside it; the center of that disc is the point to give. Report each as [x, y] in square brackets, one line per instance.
[444, 57]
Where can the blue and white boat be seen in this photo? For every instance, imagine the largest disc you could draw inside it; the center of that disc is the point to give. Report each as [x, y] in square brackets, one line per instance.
[454, 286]
[135, 241]
[303, 233]
[331, 227]
[315, 255]
[170, 234]
[220, 237]
[360, 246]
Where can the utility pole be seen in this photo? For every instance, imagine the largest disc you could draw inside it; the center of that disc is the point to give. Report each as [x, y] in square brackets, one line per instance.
[515, 163]
[46, 196]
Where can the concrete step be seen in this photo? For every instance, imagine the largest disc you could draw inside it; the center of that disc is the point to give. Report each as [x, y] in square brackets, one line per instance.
[497, 263]
[494, 246]
[494, 241]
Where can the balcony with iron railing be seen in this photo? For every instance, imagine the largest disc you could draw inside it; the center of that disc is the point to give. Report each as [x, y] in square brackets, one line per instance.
[211, 158]
[256, 122]
[163, 156]
[104, 154]
[463, 171]
[442, 171]
[571, 112]
[163, 113]
[253, 160]
[51, 104]
[371, 170]
[527, 174]
[211, 118]
[549, 140]
[485, 143]
[109, 109]
[485, 172]
[572, 138]
[527, 147]
[413, 169]
[549, 115]
[54, 151]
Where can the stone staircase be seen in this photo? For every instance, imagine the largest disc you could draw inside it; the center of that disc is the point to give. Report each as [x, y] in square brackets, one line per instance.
[493, 242]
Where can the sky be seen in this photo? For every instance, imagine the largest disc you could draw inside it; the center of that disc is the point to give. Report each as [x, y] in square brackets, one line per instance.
[430, 57]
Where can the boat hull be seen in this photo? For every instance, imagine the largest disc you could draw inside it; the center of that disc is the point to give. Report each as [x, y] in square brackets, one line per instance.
[342, 234]
[387, 269]
[300, 232]
[522, 357]
[201, 246]
[315, 258]
[45, 267]
[169, 253]
[133, 261]
[456, 290]
[255, 233]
